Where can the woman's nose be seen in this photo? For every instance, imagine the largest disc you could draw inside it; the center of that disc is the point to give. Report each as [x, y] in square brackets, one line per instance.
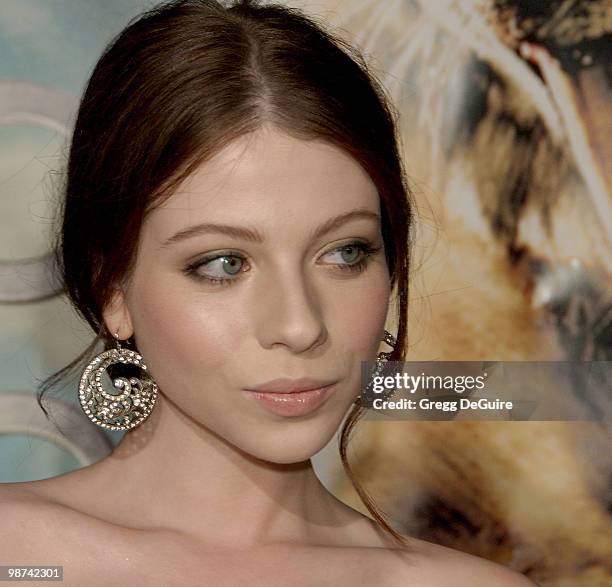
[291, 315]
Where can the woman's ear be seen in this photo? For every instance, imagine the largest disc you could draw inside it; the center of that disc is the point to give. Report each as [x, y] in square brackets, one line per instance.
[117, 316]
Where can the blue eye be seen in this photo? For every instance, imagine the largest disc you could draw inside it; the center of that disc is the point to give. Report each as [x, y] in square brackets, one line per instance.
[358, 252]
[353, 251]
[231, 263]
[354, 257]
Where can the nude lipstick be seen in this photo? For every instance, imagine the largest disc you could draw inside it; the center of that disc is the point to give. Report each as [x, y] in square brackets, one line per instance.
[291, 397]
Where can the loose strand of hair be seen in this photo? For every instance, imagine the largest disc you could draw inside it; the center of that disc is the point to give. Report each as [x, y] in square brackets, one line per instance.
[379, 516]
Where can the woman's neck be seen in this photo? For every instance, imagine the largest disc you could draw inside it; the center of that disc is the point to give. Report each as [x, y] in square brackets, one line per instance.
[172, 473]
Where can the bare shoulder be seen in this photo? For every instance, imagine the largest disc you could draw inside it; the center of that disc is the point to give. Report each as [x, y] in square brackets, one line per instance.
[30, 522]
[423, 563]
[26, 522]
[19, 503]
[33, 525]
[432, 564]
[38, 529]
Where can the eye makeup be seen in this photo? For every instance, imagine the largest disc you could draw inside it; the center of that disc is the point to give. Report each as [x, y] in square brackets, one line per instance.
[365, 248]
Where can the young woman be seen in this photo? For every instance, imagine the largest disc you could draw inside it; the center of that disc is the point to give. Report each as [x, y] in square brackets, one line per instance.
[236, 220]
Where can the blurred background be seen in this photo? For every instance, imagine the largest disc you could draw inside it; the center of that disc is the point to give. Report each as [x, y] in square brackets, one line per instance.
[506, 130]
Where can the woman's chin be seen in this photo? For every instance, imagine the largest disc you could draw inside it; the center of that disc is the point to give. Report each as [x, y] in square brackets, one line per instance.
[289, 451]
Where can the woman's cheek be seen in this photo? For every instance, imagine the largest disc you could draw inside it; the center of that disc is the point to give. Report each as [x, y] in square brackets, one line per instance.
[364, 318]
[179, 324]
[200, 333]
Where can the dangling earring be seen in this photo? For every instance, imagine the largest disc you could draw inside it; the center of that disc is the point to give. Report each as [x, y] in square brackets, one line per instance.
[125, 410]
[381, 359]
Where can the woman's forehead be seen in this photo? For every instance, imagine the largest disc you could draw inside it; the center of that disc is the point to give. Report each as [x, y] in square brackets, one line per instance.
[268, 161]
[269, 176]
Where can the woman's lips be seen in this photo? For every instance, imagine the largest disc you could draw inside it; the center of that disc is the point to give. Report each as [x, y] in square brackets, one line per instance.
[298, 403]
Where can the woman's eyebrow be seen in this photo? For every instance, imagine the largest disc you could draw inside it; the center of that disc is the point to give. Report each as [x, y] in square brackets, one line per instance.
[252, 235]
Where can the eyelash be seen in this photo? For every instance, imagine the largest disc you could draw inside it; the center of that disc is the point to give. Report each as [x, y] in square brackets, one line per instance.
[366, 249]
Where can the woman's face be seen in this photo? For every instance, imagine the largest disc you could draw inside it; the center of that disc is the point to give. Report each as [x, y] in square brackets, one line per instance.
[294, 301]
